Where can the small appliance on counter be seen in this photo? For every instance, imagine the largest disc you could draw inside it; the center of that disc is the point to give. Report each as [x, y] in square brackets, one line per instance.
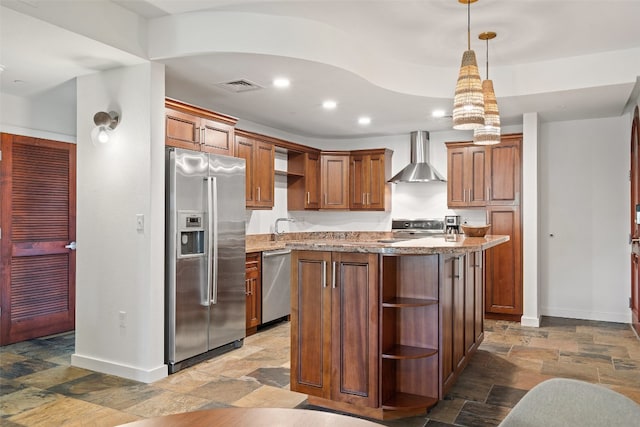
[452, 224]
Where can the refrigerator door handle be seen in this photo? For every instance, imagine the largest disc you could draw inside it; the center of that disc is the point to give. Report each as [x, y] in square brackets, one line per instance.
[213, 218]
[209, 239]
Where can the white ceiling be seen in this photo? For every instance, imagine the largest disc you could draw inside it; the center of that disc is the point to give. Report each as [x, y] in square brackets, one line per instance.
[393, 60]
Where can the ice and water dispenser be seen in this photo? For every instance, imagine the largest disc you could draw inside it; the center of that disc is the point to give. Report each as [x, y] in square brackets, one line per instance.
[190, 234]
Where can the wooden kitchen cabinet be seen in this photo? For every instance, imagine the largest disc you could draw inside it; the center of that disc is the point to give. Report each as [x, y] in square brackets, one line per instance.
[503, 264]
[260, 158]
[462, 314]
[334, 334]
[334, 183]
[504, 171]
[368, 175]
[253, 291]
[467, 184]
[194, 128]
[303, 184]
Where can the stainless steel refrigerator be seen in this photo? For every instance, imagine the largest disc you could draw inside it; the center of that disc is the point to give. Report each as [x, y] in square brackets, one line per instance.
[205, 256]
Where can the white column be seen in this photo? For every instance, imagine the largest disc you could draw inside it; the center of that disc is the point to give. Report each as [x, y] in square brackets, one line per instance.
[531, 287]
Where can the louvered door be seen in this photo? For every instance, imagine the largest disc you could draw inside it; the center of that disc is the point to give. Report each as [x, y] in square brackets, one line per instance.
[38, 191]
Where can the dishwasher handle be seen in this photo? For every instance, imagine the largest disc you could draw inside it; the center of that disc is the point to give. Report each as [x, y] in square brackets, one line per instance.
[268, 254]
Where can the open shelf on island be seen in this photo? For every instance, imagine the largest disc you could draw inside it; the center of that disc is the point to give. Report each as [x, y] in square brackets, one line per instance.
[399, 401]
[408, 352]
[409, 302]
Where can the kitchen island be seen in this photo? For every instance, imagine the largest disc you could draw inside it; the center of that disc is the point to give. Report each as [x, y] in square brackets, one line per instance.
[382, 328]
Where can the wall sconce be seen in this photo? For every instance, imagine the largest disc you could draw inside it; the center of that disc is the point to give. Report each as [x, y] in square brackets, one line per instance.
[105, 124]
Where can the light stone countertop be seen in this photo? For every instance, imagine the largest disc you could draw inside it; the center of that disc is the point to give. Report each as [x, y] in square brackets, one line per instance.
[373, 242]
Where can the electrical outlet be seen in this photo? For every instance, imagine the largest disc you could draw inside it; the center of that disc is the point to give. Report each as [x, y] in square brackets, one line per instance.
[122, 317]
[140, 222]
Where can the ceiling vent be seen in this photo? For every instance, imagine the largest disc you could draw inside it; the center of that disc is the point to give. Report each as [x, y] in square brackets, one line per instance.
[241, 85]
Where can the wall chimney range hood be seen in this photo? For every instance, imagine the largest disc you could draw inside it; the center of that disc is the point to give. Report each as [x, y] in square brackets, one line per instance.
[419, 170]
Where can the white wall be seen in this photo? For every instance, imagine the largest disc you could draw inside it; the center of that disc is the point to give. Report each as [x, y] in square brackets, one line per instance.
[120, 269]
[50, 114]
[584, 192]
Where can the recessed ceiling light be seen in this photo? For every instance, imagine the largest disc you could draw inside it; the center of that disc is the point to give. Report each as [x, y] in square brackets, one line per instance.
[281, 82]
[329, 104]
[364, 120]
[438, 113]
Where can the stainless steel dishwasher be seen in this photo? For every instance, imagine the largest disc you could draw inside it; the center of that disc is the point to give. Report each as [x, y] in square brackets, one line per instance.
[276, 288]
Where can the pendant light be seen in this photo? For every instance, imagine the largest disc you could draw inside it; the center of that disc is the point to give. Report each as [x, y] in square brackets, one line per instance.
[468, 103]
[489, 134]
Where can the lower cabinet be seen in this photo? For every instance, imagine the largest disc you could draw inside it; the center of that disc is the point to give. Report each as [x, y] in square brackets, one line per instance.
[334, 326]
[462, 314]
[253, 291]
[503, 265]
[382, 335]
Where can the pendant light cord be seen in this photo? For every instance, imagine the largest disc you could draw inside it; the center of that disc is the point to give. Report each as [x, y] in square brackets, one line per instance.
[468, 24]
[487, 58]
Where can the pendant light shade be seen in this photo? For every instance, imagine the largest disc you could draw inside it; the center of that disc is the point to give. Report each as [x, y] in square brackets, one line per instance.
[489, 133]
[468, 103]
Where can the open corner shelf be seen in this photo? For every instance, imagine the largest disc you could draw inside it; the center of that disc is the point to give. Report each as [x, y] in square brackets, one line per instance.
[400, 352]
[409, 302]
[401, 401]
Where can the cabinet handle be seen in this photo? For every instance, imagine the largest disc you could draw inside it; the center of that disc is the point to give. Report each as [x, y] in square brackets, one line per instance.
[325, 199]
[259, 194]
[364, 200]
[334, 272]
[368, 198]
[308, 198]
[464, 194]
[324, 274]
[201, 135]
[488, 193]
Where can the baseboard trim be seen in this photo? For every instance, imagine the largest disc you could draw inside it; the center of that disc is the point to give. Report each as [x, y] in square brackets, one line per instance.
[111, 368]
[533, 322]
[587, 315]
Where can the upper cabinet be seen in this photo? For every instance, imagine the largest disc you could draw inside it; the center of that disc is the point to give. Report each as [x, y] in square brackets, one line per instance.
[260, 157]
[368, 175]
[334, 184]
[505, 171]
[194, 128]
[467, 183]
[303, 182]
[480, 176]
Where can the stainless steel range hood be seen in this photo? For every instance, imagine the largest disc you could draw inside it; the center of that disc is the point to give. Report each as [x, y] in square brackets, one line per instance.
[419, 170]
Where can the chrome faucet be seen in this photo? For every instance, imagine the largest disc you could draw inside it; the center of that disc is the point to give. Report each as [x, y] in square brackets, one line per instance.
[275, 227]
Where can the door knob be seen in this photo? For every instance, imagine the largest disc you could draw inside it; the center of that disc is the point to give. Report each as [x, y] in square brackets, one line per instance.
[71, 246]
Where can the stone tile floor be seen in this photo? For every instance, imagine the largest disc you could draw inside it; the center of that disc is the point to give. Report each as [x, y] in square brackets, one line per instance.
[38, 387]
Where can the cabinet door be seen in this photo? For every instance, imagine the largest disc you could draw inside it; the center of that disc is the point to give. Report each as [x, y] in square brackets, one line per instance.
[354, 323]
[503, 263]
[452, 297]
[505, 172]
[378, 190]
[311, 323]
[477, 175]
[466, 176]
[312, 181]
[359, 182]
[335, 181]
[245, 149]
[473, 301]
[216, 138]
[253, 290]
[182, 130]
[264, 174]
[456, 185]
